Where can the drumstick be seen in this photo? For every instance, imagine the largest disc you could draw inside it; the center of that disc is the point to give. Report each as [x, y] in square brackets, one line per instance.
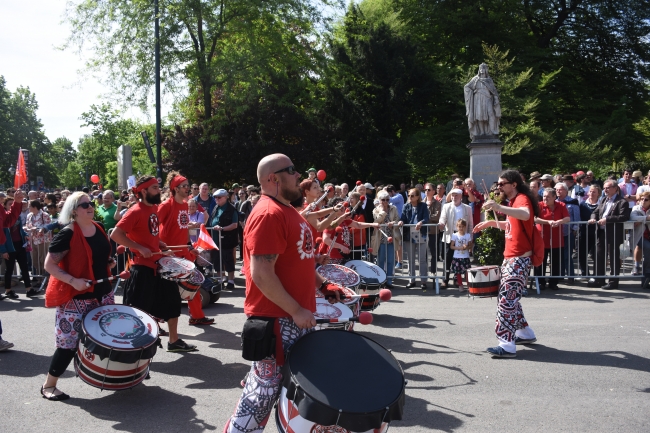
[125, 275]
[384, 295]
[487, 194]
[177, 246]
[364, 318]
[339, 229]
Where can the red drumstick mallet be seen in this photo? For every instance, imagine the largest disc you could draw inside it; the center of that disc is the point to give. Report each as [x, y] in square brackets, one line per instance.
[361, 200]
[125, 275]
[358, 185]
[384, 294]
[364, 318]
[121, 249]
[338, 230]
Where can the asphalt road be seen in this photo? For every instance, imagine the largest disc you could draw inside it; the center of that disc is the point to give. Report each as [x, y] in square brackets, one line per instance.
[589, 371]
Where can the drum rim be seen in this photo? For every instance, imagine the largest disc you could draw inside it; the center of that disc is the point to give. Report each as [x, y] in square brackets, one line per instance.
[336, 265]
[85, 335]
[325, 301]
[368, 263]
[178, 259]
[291, 377]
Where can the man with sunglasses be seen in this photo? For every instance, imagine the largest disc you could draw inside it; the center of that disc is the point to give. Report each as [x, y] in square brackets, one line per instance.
[139, 231]
[612, 211]
[280, 284]
[174, 219]
[223, 221]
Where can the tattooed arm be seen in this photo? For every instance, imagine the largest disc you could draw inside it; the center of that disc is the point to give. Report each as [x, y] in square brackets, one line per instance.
[264, 277]
[52, 261]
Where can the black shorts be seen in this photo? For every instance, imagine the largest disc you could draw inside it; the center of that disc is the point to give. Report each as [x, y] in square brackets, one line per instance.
[148, 291]
[227, 257]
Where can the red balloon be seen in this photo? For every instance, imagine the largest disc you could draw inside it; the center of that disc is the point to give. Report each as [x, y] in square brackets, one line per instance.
[94, 178]
[321, 175]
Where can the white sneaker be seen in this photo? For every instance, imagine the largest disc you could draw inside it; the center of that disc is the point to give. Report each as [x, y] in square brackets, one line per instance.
[4, 345]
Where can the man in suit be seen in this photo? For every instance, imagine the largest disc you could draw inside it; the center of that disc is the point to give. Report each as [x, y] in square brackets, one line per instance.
[609, 215]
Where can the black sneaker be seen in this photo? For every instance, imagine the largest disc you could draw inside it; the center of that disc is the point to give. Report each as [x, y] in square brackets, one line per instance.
[500, 352]
[11, 294]
[180, 346]
[519, 340]
[230, 286]
[31, 292]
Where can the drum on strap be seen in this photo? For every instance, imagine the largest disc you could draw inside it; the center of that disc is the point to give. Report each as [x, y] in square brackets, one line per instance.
[352, 303]
[116, 345]
[344, 277]
[325, 310]
[175, 268]
[311, 401]
[484, 281]
[191, 285]
[372, 278]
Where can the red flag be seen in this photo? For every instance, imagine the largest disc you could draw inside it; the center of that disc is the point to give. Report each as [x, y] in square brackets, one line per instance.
[21, 172]
[205, 240]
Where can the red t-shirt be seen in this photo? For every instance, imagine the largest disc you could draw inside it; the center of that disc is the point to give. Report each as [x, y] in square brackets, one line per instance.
[554, 233]
[517, 239]
[273, 228]
[174, 225]
[359, 234]
[140, 223]
[343, 238]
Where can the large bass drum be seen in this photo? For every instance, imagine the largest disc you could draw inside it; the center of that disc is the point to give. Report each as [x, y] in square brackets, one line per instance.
[313, 402]
[373, 278]
[116, 346]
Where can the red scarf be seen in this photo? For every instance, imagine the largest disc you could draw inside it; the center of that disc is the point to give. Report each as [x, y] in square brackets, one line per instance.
[76, 264]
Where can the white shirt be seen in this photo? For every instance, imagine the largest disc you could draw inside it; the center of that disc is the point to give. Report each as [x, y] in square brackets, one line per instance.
[461, 241]
[459, 214]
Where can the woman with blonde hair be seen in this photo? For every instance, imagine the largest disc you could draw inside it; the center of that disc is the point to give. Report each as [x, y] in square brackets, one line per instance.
[384, 244]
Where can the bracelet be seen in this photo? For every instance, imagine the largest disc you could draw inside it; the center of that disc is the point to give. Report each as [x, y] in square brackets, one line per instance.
[323, 284]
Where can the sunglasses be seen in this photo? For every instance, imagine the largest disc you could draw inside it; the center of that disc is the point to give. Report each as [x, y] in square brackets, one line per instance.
[85, 205]
[291, 170]
[500, 184]
[385, 199]
[428, 189]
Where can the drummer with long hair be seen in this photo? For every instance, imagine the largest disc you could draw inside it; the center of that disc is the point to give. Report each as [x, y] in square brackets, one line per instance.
[79, 253]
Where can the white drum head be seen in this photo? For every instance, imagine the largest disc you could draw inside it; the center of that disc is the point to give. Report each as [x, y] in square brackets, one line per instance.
[325, 310]
[175, 264]
[339, 274]
[367, 270]
[120, 327]
[346, 301]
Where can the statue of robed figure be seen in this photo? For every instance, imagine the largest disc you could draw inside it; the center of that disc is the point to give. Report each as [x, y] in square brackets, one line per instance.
[483, 107]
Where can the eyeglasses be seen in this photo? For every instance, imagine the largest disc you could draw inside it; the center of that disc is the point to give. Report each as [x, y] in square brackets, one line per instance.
[86, 205]
[195, 187]
[410, 195]
[385, 199]
[184, 186]
[501, 184]
[291, 170]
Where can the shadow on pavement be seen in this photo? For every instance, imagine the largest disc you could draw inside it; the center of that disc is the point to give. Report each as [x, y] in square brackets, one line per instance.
[418, 412]
[219, 338]
[402, 345]
[414, 377]
[163, 411]
[616, 359]
[22, 304]
[17, 363]
[390, 321]
[210, 371]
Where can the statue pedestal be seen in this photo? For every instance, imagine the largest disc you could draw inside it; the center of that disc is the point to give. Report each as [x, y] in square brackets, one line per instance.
[485, 160]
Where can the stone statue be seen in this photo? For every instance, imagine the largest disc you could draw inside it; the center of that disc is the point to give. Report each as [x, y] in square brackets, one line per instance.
[483, 107]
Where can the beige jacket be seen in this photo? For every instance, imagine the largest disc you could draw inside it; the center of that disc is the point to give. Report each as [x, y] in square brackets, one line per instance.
[379, 215]
[448, 216]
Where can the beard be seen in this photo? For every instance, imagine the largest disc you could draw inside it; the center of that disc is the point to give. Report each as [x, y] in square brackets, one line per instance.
[153, 199]
[291, 194]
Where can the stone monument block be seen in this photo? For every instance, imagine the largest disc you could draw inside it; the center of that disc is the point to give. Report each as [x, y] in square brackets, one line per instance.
[124, 167]
[485, 161]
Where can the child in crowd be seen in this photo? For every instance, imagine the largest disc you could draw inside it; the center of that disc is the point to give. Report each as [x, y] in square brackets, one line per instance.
[461, 243]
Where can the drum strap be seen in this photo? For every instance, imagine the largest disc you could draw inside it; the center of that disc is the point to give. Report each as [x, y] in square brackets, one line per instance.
[279, 349]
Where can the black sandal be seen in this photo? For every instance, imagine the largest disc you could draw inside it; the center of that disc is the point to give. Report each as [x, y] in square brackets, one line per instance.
[53, 397]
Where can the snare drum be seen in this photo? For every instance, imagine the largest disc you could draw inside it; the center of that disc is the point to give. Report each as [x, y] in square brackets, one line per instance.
[325, 310]
[352, 303]
[175, 268]
[341, 275]
[191, 285]
[313, 402]
[116, 345]
[373, 279]
[484, 281]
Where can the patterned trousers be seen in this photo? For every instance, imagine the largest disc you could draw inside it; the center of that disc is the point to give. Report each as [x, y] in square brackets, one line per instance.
[510, 317]
[262, 387]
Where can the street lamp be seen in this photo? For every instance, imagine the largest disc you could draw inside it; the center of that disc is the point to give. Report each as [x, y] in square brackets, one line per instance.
[12, 170]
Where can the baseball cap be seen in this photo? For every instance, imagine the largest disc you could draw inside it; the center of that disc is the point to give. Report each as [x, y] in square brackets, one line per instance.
[236, 185]
[368, 185]
[220, 193]
[311, 169]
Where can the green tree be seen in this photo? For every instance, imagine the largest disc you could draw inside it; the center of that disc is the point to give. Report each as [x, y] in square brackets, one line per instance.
[204, 44]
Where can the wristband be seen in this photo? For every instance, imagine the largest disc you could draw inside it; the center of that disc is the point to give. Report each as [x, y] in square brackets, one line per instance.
[325, 283]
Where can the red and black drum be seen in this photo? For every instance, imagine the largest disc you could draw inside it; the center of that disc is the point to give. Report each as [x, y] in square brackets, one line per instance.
[325, 310]
[116, 345]
[313, 402]
[484, 281]
[373, 279]
[191, 285]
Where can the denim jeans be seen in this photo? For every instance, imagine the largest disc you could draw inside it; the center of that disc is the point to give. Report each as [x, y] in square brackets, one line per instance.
[567, 259]
[386, 260]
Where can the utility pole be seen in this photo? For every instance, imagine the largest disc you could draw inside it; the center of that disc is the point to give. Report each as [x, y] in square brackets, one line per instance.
[157, 72]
